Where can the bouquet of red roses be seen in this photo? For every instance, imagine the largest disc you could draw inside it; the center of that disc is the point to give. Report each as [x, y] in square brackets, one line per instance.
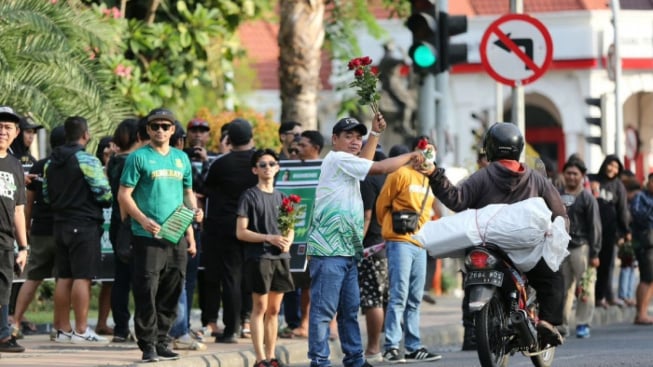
[366, 79]
[427, 151]
[288, 213]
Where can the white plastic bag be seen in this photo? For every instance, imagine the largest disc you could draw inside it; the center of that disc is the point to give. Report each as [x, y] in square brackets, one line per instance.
[523, 229]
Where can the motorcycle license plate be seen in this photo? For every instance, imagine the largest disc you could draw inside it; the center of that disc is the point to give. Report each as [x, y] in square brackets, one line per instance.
[484, 277]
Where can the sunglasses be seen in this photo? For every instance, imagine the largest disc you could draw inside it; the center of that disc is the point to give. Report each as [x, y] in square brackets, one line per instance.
[293, 151]
[156, 127]
[266, 164]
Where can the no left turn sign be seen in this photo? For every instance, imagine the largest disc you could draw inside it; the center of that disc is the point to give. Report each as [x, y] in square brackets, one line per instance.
[516, 49]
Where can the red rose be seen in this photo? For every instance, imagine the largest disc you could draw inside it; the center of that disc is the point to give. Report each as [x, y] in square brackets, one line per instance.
[285, 202]
[289, 209]
[359, 73]
[351, 65]
[357, 62]
[422, 144]
[295, 198]
[366, 60]
[374, 70]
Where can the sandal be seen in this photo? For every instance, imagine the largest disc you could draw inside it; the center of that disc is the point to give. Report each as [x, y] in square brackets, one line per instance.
[286, 333]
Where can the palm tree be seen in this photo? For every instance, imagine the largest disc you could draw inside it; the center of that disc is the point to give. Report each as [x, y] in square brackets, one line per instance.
[48, 58]
[301, 37]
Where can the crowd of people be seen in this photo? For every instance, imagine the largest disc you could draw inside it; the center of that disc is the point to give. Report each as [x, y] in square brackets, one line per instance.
[234, 255]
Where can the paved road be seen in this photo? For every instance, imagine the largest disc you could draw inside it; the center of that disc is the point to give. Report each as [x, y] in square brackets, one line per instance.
[440, 326]
[614, 345]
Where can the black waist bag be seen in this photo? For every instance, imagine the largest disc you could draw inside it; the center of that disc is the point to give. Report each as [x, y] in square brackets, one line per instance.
[404, 221]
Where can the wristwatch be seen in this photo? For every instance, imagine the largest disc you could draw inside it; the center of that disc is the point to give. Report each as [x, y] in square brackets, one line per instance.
[374, 133]
[23, 248]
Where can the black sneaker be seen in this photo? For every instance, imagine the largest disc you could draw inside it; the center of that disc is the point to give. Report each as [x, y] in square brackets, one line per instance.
[228, 339]
[11, 346]
[422, 355]
[149, 355]
[392, 356]
[165, 354]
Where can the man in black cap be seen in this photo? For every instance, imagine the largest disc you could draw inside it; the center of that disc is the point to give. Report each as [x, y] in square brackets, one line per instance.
[335, 240]
[12, 223]
[20, 146]
[156, 180]
[228, 177]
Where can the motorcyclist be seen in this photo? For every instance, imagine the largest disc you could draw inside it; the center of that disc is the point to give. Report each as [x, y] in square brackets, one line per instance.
[506, 181]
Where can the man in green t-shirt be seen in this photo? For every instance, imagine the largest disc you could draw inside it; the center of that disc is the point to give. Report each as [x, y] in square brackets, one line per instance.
[156, 180]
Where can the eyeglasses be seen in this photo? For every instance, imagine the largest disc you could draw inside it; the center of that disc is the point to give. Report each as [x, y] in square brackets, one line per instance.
[266, 164]
[156, 127]
[293, 151]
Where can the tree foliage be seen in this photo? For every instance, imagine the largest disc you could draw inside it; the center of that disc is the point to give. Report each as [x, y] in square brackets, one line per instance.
[47, 58]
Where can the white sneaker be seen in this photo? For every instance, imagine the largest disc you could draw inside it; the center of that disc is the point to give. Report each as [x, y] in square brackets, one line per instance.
[62, 337]
[89, 337]
[186, 342]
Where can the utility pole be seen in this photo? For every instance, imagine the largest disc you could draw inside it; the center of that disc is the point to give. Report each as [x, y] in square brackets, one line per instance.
[618, 107]
[518, 114]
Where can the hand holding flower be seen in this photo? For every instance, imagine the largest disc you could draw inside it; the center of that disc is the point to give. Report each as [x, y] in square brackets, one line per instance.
[378, 124]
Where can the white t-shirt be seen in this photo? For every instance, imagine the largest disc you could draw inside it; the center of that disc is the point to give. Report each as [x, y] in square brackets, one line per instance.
[337, 226]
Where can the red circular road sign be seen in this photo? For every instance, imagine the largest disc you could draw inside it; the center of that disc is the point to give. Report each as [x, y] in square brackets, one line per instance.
[516, 49]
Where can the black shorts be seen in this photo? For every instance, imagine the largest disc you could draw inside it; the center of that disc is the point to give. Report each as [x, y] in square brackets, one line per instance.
[645, 260]
[78, 250]
[268, 275]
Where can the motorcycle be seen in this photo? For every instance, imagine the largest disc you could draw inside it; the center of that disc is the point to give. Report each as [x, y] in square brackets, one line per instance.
[504, 309]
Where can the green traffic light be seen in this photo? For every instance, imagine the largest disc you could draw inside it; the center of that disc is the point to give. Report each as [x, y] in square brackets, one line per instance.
[424, 56]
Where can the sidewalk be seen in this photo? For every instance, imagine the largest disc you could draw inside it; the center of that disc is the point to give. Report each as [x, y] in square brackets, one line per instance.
[440, 327]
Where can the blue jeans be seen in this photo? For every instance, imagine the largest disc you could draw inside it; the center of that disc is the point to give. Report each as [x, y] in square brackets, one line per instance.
[407, 274]
[334, 289]
[180, 326]
[5, 329]
[626, 282]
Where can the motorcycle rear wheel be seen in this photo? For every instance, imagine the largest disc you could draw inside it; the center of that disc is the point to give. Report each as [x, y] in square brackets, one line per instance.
[490, 321]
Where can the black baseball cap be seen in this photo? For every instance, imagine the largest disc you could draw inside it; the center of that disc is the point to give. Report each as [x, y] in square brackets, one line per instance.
[349, 124]
[161, 114]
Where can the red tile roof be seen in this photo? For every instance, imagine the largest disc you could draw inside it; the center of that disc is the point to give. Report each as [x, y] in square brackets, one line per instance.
[260, 40]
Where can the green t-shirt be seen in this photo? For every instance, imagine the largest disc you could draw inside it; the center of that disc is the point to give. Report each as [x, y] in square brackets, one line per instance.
[159, 182]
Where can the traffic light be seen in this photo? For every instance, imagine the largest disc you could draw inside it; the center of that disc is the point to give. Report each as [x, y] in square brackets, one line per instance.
[605, 120]
[451, 53]
[424, 26]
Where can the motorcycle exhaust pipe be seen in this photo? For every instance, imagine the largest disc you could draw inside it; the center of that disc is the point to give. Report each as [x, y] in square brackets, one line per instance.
[523, 327]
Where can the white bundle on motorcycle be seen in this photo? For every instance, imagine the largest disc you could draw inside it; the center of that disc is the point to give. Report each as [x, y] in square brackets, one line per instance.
[523, 230]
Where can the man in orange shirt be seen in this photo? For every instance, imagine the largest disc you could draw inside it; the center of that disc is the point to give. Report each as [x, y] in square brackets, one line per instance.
[405, 190]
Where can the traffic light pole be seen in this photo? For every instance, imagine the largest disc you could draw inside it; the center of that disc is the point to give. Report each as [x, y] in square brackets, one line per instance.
[518, 114]
[426, 106]
[442, 101]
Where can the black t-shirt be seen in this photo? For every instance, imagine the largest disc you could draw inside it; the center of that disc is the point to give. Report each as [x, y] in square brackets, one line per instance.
[227, 178]
[262, 209]
[370, 189]
[199, 167]
[12, 193]
[42, 217]
[114, 170]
